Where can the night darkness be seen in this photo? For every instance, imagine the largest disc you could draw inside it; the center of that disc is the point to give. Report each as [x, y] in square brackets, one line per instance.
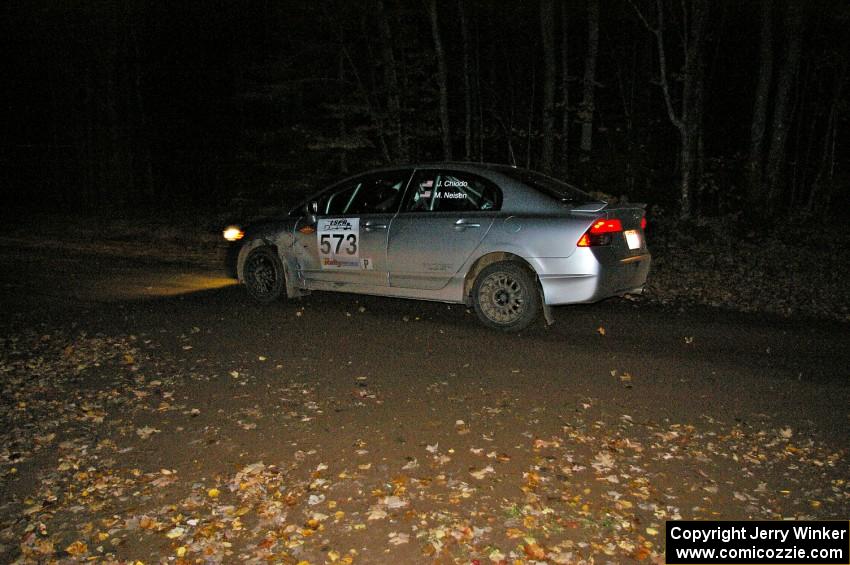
[157, 106]
[449, 363]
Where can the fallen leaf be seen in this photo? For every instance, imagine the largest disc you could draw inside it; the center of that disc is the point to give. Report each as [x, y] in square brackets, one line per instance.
[146, 432]
[77, 548]
[483, 472]
[534, 551]
[377, 514]
[393, 502]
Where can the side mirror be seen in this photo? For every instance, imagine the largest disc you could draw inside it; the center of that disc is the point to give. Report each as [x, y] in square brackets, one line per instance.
[311, 212]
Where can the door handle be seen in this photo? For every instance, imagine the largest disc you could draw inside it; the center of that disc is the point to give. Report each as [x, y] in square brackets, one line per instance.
[463, 224]
[369, 226]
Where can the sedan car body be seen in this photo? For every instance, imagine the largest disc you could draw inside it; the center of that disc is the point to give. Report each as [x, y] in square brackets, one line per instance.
[510, 242]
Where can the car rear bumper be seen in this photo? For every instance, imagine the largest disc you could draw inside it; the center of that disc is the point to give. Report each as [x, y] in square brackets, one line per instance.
[590, 275]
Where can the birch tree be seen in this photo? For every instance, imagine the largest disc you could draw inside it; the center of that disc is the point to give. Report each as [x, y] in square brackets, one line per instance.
[688, 118]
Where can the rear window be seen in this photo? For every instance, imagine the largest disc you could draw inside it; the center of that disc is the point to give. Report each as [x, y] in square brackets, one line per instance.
[549, 186]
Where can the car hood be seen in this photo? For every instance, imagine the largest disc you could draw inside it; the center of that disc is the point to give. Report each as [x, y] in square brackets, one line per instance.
[267, 226]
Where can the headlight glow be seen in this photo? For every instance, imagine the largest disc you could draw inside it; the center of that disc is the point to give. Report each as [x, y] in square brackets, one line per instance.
[233, 233]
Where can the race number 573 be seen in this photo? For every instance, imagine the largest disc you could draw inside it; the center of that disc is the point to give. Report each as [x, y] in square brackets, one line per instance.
[333, 243]
[339, 243]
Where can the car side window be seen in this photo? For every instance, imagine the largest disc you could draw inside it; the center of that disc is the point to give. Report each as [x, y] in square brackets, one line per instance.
[450, 191]
[373, 194]
[335, 203]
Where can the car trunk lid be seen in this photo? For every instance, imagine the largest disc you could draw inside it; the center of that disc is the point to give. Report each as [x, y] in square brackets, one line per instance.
[619, 228]
[631, 240]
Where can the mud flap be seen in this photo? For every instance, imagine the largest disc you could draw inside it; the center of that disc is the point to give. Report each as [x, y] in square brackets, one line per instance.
[293, 290]
[548, 315]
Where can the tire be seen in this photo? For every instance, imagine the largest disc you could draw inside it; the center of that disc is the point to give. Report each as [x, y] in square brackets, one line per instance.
[506, 297]
[264, 276]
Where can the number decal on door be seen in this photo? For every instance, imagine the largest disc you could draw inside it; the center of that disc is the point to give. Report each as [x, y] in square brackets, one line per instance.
[339, 240]
[352, 244]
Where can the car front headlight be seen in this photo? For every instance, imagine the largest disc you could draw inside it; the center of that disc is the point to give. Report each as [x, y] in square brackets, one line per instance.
[233, 233]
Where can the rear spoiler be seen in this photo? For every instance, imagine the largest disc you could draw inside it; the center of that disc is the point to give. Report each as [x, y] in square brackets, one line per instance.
[590, 207]
[599, 205]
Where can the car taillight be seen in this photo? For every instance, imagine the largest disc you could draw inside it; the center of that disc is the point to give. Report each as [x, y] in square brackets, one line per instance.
[643, 223]
[600, 233]
[606, 226]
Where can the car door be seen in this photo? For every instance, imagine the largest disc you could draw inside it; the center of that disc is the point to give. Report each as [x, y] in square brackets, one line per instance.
[348, 243]
[444, 217]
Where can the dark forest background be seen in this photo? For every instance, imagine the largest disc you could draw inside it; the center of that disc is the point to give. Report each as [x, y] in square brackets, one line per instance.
[697, 107]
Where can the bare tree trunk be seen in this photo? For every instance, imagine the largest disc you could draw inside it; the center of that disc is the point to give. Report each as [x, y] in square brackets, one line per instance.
[803, 156]
[587, 102]
[509, 144]
[467, 88]
[547, 28]
[627, 99]
[830, 185]
[827, 160]
[391, 79]
[374, 114]
[565, 91]
[531, 110]
[794, 25]
[755, 163]
[689, 121]
[343, 156]
[478, 101]
[442, 81]
[693, 89]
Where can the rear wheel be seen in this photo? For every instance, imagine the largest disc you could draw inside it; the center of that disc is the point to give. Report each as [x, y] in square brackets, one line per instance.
[263, 275]
[506, 297]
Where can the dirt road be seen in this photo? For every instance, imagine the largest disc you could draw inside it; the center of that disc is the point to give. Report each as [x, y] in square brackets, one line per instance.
[151, 412]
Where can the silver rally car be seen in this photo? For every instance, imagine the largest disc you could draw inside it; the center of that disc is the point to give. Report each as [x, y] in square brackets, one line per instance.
[507, 241]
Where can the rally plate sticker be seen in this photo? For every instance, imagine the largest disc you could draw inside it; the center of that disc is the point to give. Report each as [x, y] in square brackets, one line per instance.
[339, 243]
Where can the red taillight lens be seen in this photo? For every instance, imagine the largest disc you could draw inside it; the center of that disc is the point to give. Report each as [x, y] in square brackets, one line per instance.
[600, 233]
[643, 223]
[606, 226]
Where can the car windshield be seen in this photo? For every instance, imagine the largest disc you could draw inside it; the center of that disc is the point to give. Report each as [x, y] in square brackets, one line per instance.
[549, 186]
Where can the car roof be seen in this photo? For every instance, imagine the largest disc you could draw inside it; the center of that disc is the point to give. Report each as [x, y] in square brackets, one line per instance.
[457, 165]
[473, 164]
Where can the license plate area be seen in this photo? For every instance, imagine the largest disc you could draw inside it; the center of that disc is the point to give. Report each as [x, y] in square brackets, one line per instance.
[632, 239]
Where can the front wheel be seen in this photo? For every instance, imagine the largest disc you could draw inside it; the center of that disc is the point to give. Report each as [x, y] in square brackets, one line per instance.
[263, 275]
[505, 297]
